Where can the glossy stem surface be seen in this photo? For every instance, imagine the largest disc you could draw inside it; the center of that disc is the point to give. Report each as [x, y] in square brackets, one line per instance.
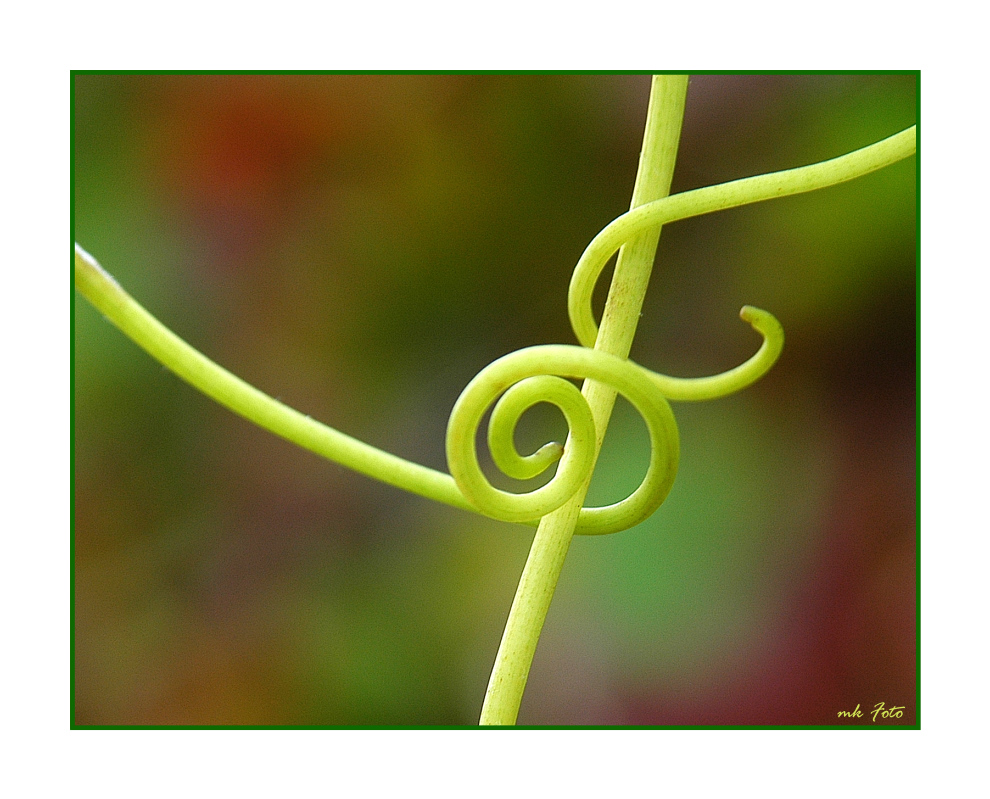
[618, 328]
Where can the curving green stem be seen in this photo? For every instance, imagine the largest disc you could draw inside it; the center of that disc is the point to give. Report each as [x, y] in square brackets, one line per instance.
[523, 373]
[230, 391]
[520, 378]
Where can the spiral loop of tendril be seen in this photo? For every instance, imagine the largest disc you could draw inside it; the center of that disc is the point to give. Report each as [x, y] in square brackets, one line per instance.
[526, 377]
[529, 376]
[523, 374]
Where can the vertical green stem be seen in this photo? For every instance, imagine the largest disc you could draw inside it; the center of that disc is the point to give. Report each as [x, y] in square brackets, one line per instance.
[621, 316]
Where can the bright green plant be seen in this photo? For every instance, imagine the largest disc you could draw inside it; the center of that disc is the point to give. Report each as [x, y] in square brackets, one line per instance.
[517, 381]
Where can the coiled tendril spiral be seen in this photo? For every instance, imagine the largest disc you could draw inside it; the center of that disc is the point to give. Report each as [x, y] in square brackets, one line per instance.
[648, 391]
[523, 378]
[519, 381]
[529, 376]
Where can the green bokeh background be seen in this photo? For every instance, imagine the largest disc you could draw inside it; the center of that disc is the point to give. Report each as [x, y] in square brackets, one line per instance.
[360, 246]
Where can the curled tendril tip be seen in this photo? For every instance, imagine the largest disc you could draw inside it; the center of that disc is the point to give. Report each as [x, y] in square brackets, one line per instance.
[521, 379]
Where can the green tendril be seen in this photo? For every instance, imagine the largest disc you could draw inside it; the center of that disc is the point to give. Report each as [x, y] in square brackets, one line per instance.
[718, 198]
[524, 378]
[230, 391]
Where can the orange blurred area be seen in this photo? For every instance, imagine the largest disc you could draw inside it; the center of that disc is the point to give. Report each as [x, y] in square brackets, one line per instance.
[360, 246]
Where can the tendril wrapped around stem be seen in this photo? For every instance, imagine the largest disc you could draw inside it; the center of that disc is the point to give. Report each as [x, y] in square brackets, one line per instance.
[533, 375]
[520, 380]
[525, 377]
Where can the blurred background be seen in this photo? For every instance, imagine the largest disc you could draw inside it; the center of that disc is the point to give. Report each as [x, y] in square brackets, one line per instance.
[360, 246]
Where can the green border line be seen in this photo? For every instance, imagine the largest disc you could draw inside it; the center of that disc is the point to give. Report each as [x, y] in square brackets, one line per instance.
[72, 406]
[917, 414]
